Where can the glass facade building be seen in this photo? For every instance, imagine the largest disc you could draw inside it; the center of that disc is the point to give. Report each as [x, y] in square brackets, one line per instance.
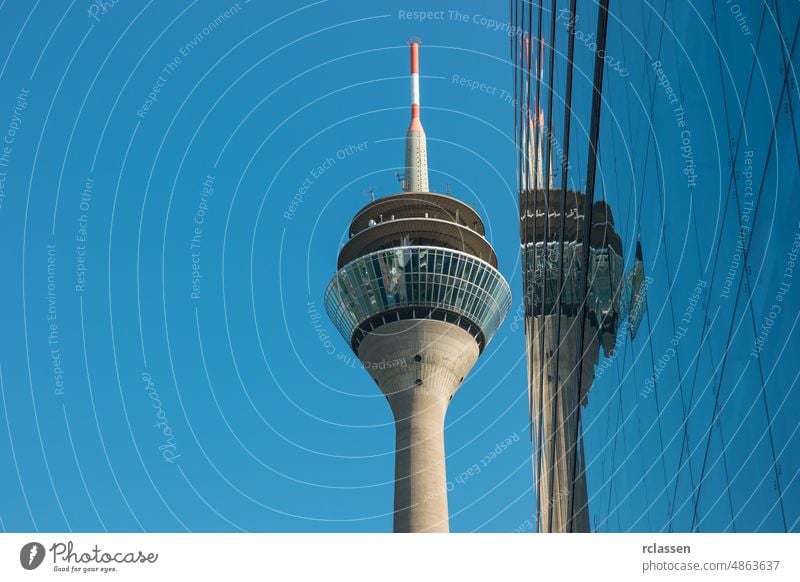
[687, 133]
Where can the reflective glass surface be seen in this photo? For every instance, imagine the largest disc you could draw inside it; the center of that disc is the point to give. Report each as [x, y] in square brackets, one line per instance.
[689, 137]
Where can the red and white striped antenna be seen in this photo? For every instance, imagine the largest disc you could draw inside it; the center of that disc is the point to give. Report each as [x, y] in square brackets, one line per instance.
[416, 178]
[414, 44]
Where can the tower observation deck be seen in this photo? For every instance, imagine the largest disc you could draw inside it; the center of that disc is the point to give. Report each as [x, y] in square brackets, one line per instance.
[418, 296]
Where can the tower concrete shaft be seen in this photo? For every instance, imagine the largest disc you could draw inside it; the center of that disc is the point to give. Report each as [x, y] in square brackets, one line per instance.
[442, 354]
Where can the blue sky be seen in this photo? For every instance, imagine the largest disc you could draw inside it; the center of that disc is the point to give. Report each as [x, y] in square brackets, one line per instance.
[179, 180]
[271, 425]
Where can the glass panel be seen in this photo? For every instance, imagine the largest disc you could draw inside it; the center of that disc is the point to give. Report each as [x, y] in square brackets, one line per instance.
[409, 276]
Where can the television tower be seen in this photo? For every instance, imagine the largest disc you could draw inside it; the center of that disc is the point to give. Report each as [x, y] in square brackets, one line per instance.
[417, 295]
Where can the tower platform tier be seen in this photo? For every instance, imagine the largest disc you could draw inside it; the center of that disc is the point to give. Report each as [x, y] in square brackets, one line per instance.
[418, 232]
[416, 205]
[417, 282]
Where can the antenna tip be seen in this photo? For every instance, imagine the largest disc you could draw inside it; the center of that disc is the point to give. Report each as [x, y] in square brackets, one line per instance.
[415, 40]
